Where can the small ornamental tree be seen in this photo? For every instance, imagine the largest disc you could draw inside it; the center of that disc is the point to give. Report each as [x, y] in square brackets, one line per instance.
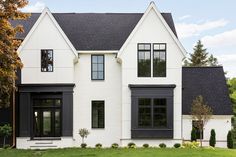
[230, 142]
[5, 132]
[212, 141]
[83, 133]
[201, 112]
[193, 135]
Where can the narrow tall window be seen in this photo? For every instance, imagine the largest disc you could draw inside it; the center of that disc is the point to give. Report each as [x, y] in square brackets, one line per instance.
[144, 60]
[159, 113]
[144, 112]
[46, 60]
[98, 114]
[196, 123]
[97, 66]
[159, 60]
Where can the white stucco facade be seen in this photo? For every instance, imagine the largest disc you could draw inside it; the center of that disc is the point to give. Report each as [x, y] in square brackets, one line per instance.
[120, 71]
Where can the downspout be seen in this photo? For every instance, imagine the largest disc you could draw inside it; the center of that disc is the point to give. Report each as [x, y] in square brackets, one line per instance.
[13, 116]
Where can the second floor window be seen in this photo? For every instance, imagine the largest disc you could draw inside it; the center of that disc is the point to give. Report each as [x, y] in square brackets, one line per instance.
[144, 60]
[46, 60]
[159, 60]
[97, 67]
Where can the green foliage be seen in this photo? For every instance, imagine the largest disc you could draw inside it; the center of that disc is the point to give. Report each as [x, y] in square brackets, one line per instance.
[115, 145]
[200, 57]
[193, 144]
[83, 133]
[83, 145]
[212, 141]
[5, 131]
[193, 135]
[230, 142]
[6, 146]
[162, 145]
[145, 145]
[9, 59]
[98, 145]
[131, 145]
[177, 145]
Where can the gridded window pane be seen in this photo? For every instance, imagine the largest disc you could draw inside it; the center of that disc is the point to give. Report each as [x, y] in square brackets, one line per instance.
[159, 60]
[46, 60]
[57, 123]
[144, 60]
[98, 114]
[47, 131]
[144, 113]
[36, 123]
[159, 113]
[97, 67]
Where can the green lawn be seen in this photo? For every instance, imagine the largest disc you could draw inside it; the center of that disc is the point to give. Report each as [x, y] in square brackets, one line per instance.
[140, 152]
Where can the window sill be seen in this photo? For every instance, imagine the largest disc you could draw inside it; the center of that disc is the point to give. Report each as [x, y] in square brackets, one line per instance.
[45, 138]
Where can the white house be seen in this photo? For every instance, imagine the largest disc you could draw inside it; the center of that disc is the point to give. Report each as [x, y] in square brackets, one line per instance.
[119, 75]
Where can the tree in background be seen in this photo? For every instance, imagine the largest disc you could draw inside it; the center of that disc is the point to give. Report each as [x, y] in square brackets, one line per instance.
[200, 57]
[200, 112]
[9, 60]
[212, 141]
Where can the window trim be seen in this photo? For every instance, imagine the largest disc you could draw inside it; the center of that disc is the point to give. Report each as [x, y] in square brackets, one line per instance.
[153, 59]
[52, 59]
[150, 59]
[103, 114]
[92, 67]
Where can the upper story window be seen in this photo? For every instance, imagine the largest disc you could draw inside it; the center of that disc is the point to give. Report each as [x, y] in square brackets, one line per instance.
[144, 60]
[159, 60]
[46, 60]
[97, 67]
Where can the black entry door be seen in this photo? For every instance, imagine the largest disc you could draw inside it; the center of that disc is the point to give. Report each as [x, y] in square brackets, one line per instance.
[47, 117]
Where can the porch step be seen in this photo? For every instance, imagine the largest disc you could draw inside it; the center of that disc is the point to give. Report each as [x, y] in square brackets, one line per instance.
[43, 145]
[43, 142]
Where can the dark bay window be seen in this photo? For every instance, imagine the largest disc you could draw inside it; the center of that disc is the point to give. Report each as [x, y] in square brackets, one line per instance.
[47, 117]
[46, 60]
[98, 115]
[97, 67]
[159, 60]
[195, 125]
[152, 113]
[144, 60]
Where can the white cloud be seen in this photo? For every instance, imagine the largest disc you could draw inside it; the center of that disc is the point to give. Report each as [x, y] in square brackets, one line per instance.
[227, 38]
[37, 7]
[184, 17]
[186, 30]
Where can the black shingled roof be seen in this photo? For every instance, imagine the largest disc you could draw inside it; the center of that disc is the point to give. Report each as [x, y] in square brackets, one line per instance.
[209, 82]
[94, 31]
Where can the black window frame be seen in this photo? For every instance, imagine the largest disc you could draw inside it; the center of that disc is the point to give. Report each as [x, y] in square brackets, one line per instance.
[103, 77]
[47, 70]
[52, 109]
[93, 103]
[197, 130]
[138, 51]
[152, 107]
[158, 51]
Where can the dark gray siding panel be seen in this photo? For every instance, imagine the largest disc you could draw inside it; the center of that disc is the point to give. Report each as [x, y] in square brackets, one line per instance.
[151, 91]
[24, 114]
[67, 114]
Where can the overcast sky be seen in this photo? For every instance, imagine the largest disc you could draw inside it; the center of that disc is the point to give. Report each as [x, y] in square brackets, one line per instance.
[212, 21]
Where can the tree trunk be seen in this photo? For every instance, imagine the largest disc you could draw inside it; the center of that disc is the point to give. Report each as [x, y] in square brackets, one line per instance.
[82, 140]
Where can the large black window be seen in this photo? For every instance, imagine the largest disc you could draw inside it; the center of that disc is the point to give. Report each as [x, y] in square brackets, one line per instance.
[159, 60]
[195, 125]
[152, 113]
[46, 60]
[98, 120]
[144, 60]
[97, 69]
[47, 117]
